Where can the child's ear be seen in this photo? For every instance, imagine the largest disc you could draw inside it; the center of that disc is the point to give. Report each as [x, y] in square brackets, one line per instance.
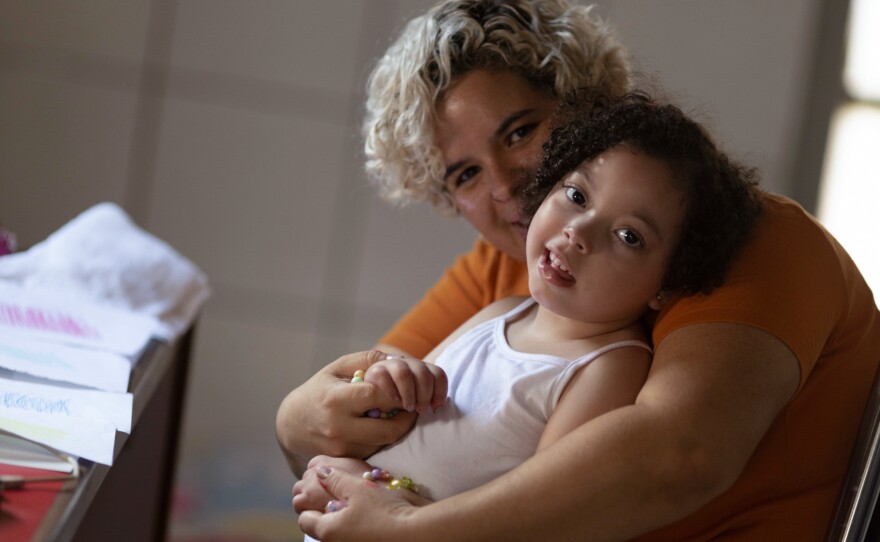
[657, 301]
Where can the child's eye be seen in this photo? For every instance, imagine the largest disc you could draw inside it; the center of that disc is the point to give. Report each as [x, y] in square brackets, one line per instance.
[630, 238]
[575, 196]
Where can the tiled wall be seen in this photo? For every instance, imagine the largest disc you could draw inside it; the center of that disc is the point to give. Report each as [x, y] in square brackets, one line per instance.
[230, 130]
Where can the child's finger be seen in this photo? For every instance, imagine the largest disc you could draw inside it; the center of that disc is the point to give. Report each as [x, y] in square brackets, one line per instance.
[441, 386]
[379, 376]
[424, 381]
[308, 494]
[404, 381]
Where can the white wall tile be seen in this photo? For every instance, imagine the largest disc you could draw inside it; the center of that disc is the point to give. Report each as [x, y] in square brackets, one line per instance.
[737, 66]
[63, 148]
[408, 250]
[239, 375]
[247, 196]
[99, 27]
[273, 40]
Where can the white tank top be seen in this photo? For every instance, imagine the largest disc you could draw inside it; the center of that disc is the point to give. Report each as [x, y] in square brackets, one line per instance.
[499, 402]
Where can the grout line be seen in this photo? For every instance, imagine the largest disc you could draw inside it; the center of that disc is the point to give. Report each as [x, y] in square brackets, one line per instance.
[90, 70]
[339, 286]
[143, 150]
[177, 83]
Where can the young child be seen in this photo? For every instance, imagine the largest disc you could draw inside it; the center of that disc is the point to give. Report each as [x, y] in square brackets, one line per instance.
[633, 203]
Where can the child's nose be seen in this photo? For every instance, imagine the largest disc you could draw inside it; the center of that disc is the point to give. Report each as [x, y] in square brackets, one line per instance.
[576, 237]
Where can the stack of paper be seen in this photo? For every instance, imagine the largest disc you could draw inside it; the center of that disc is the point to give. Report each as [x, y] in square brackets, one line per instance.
[75, 313]
[65, 346]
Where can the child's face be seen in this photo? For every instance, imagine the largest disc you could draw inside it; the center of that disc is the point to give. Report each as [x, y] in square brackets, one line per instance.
[598, 246]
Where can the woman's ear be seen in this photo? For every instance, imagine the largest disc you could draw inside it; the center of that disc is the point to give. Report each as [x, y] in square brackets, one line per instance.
[656, 302]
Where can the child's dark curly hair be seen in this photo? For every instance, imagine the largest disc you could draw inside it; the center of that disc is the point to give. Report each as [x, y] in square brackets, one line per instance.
[721, 198]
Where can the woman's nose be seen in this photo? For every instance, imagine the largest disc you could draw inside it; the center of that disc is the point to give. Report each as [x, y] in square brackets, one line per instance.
[575, 236]
[500, 191]
[501, 181]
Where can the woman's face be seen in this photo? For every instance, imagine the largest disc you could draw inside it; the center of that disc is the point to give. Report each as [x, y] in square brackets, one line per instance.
[490, 128]
[599, 244]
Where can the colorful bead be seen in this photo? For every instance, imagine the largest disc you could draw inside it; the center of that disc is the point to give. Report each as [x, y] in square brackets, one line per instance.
[359, 374]
[403, 483]
[356, 379]
[376, 413]
[383, 475]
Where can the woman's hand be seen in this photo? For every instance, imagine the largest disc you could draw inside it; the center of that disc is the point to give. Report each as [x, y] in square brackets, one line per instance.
[325, 415]
[367, 511]
[309, 494]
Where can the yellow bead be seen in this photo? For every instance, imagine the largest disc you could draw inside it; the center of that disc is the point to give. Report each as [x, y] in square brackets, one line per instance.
[359, 374]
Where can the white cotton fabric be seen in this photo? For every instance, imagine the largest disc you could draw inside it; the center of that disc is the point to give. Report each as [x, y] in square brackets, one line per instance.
[102, 257]
[498, 405]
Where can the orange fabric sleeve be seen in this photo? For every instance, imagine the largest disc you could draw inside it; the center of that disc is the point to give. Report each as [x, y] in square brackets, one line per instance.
[476, 279]
[794, 281]
[791, 269]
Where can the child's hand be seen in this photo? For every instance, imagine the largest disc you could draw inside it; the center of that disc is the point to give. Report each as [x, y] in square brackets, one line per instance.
[416, 384]
[309, 494]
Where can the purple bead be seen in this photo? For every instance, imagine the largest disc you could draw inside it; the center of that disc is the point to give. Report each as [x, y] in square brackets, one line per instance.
[377, 474]
[374, 413]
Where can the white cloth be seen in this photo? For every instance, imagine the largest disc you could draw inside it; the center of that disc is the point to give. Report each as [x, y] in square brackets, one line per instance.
[101, 256]
[498, 405]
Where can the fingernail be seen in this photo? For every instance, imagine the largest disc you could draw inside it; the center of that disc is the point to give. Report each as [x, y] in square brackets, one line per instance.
[335, 506]
[323, 472]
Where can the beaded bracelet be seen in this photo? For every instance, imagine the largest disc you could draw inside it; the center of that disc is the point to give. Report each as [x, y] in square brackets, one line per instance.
[382, 475]
[373, 412]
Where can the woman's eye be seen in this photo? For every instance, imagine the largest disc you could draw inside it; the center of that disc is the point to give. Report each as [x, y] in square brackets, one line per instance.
[630, 238]
[466, 175]
[575, 196]
[521, 132]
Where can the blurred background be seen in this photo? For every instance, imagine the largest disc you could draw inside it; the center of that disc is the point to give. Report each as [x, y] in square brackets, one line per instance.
[230, 129]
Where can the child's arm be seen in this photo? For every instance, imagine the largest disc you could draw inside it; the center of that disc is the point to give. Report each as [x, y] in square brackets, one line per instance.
[418, 384]
[611, 381]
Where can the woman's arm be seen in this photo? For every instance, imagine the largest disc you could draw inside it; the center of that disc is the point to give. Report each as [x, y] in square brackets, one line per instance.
[713, 391]
[317, 417]
[325, 415]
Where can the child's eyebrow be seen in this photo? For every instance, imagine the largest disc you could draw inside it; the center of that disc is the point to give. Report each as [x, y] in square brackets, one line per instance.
[650, 223]
[640, 215]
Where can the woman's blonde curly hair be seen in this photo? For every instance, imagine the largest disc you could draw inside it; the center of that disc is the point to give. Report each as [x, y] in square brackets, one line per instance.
[554, 45]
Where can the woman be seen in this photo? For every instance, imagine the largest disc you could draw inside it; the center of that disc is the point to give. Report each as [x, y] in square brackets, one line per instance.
[730, 435]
